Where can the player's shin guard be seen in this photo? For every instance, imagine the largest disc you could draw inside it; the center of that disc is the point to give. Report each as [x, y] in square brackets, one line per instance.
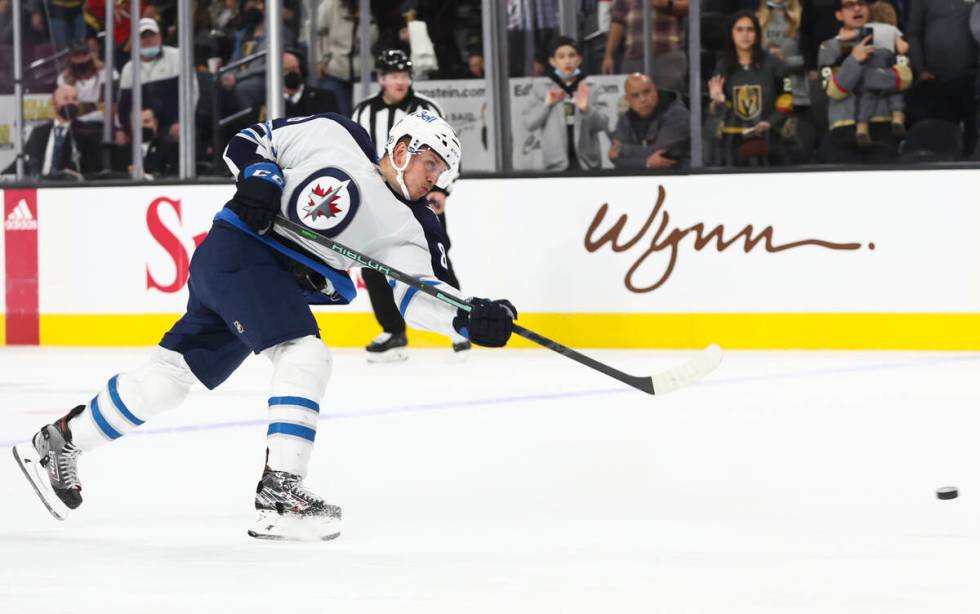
[129, 399]
[299, 381]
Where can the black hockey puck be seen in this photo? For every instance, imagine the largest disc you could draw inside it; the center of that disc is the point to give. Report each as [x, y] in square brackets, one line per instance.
[947, 492]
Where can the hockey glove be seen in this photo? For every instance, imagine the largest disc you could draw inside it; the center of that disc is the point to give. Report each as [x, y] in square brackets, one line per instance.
[489, 324]
[259, 194]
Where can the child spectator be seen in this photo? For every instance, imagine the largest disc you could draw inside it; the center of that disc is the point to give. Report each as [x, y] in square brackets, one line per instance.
[889, 41]
[565, 111]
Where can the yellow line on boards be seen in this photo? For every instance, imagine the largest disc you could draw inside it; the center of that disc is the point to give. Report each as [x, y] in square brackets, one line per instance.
[843, 331]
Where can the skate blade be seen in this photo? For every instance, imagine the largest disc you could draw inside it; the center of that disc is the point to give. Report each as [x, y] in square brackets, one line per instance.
[286, 527]
[30, 463]
[392, 355]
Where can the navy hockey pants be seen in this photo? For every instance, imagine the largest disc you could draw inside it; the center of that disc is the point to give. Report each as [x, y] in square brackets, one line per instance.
[242, 300]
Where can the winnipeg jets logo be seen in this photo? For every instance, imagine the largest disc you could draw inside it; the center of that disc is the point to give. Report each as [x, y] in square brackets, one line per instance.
[326, 201]
[323, 202]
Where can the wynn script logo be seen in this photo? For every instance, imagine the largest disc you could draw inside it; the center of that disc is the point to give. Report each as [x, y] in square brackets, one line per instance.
[667, 239]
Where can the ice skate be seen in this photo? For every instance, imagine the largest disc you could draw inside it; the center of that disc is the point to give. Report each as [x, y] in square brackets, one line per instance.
[288, 511]
[387, 347]
[50, 463]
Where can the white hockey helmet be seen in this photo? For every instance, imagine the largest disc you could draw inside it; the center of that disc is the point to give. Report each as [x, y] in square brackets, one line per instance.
[427, 130]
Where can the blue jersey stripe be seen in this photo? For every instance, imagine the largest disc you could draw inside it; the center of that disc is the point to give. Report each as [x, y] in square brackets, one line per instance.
[118, 402]
[298, 401]
[101, 422]
[296, 430]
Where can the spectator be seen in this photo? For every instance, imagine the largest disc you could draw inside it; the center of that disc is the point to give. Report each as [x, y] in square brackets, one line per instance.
[532, 26]
[86, 73]
[751, 97]
[303, 99]
[62, 147]
[842, 61]
[223, 14]
[339, 41]
[248, 84]
[669, 68]
[66, 21]
[655, 132]
[594, 16]
[161, 156]
[474, 65]
[780, 22]
[412, 38]
[944, 56]
[565, 111]
[159, 68]
[888, 43]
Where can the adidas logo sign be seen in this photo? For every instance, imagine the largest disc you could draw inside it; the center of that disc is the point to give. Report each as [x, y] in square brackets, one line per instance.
[20, 218]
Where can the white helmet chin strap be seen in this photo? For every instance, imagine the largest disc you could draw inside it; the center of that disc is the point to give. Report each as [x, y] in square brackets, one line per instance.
[400, 174]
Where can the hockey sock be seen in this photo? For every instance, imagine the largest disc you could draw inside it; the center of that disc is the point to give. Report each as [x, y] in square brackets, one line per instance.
[129, 399]
[302, 368]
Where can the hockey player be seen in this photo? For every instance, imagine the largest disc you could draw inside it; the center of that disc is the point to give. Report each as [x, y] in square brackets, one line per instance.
[377, 115]
[251, 284]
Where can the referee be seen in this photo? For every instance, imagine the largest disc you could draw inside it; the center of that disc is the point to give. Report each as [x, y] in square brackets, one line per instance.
[377, 115]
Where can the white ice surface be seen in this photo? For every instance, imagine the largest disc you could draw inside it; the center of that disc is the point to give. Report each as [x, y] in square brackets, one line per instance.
[520, 482]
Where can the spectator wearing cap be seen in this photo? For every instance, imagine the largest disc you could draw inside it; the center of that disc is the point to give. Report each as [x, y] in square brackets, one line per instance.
[86, 73]
[301, 98]
[655, 132]
[669, 68]
[564, 109]
[159, 67]
[377, 115]
[751, 97]
[944, 57]
[61, 148]
[847, 71]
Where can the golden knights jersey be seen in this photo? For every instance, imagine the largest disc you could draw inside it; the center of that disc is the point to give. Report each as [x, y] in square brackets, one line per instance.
[334, 186]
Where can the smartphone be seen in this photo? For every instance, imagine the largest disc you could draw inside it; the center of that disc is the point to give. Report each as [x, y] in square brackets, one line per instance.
[865, 32]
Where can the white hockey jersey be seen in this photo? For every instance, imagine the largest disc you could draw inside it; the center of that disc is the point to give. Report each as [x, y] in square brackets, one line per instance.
[334, 187]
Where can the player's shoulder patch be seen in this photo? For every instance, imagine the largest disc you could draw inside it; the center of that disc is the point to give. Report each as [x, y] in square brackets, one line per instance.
[326, 201]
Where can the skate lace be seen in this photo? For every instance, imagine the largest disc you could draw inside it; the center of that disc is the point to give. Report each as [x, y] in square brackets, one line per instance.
[67, 461]
[294, 486]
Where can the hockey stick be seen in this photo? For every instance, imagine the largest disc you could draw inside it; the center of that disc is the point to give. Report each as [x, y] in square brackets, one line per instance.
[659, 383]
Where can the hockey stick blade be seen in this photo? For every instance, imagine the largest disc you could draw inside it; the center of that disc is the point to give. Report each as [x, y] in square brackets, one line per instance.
[660, 383]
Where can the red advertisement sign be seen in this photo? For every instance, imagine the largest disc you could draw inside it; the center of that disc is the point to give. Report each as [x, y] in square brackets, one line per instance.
[20, 246]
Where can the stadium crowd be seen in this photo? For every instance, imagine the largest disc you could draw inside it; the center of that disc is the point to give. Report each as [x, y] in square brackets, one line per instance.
[783, 82]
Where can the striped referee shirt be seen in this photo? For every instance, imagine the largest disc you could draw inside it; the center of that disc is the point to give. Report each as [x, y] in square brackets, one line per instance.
[377, 117]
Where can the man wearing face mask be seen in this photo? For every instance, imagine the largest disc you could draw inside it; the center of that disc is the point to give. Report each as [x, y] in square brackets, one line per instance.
[303, 99]
[59, 149]
[86, 73]
[564, 110]
[161, 156]
[159, 68]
